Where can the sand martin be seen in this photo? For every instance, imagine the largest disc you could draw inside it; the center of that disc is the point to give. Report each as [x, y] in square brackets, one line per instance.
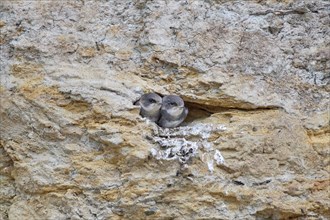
[150, 106]
[172, 112]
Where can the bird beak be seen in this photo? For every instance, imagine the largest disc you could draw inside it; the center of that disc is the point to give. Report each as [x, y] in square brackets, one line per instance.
[137, 103]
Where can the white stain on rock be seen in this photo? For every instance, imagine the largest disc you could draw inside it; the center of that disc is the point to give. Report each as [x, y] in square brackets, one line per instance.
[184, 143]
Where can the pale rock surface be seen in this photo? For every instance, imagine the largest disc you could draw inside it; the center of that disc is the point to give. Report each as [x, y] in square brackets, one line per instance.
[254, 75]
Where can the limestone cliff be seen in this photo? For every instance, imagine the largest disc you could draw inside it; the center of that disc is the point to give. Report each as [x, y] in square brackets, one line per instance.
[254, 75]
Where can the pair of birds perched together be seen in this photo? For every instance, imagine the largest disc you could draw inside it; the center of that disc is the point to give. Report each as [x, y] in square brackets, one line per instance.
[167, 112]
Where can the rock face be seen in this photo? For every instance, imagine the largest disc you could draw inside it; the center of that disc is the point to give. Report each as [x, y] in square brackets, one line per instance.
[254, 75]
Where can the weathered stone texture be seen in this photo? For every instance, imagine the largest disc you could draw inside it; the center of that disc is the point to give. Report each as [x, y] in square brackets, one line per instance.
[254, 75]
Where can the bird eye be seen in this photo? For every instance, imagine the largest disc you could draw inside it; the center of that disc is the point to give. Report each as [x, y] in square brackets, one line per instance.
[173, 104]
[152, 100]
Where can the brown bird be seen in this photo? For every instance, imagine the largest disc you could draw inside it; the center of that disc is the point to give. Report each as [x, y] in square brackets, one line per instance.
[150, 106]
[173, 112]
